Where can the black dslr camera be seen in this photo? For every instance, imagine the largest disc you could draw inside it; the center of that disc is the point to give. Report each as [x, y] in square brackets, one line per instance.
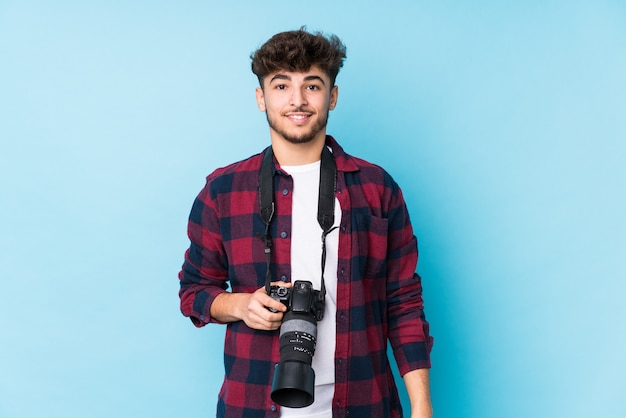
[294, 378]
[300, 298]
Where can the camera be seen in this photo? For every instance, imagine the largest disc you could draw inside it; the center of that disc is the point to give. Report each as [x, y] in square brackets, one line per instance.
[294, 378]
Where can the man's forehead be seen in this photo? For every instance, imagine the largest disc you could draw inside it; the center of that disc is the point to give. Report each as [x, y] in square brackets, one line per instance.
[312, 73]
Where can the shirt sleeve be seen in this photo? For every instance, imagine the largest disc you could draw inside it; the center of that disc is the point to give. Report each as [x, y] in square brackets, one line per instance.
[408, 329]
[204, 272]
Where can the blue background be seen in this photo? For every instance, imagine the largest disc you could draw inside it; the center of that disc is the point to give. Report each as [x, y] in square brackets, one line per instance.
[504, 122]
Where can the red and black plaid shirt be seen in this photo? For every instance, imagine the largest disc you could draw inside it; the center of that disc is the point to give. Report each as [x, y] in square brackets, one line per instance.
[379, 295]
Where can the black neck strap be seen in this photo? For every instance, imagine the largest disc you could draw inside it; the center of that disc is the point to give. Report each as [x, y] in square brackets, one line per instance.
[325, 207]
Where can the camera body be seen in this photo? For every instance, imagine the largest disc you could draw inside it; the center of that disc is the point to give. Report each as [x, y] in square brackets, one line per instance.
[294, 378]
[300, 298]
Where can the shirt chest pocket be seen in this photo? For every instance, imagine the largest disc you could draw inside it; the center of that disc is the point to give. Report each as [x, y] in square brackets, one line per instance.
[371, 233]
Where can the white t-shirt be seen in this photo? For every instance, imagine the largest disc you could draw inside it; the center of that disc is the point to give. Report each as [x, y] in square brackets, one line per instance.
[306, 264]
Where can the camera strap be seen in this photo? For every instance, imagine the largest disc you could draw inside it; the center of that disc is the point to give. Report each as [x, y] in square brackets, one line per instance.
[325, 206]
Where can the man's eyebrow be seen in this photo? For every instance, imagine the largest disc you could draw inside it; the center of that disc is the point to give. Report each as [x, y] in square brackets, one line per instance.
[314, 77]
[307, 78]
[280, 77]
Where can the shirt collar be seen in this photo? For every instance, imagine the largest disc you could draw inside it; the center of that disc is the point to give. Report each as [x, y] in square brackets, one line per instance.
[344, 161]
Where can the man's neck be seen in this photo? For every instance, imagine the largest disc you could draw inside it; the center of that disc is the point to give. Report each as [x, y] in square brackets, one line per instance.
[290, 154]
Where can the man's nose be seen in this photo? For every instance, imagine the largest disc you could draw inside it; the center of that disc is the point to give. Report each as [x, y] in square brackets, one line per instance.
[298, 98]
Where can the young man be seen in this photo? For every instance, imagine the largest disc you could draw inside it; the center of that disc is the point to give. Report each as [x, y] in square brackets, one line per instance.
[261, 219]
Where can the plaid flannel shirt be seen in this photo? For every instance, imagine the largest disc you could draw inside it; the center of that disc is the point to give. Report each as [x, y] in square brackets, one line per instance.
[379, 295]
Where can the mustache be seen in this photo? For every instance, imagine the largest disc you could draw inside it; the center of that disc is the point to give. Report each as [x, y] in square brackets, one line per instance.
[302, 109]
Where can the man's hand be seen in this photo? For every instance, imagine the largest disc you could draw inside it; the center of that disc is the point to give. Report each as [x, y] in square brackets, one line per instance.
[251, 308]
[255, 313]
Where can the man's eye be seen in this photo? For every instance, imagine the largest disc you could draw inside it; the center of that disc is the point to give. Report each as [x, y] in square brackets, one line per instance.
[313, 87]
[280, 87]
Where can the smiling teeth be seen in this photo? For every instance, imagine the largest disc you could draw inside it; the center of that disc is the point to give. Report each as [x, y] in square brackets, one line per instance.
[298, 116]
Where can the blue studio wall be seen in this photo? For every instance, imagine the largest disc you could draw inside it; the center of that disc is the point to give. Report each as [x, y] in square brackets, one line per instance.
[504, 123]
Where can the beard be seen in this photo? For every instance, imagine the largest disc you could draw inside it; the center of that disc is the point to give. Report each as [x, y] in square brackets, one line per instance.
[301, 137]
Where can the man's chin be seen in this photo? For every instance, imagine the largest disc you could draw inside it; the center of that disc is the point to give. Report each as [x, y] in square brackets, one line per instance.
[299, 140]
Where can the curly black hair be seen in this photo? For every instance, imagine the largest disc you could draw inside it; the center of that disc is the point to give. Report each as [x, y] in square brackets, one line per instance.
[299, 50]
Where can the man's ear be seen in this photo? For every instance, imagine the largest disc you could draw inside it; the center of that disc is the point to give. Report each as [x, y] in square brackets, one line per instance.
[260, 99]
[334, 94]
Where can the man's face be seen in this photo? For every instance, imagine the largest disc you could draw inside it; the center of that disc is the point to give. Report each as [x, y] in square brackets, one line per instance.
[297, 104]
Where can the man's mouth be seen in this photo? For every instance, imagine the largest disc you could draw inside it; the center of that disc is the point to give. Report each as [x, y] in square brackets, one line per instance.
[298, 117]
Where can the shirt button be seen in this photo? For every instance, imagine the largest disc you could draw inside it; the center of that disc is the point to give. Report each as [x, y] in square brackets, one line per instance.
[273, 408]
[340, 362]
[283, 278]
[285, 192]
[342, 272]
[283, 234]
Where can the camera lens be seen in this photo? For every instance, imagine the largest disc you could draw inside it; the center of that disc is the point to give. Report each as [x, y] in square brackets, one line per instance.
[294, 378]
[298, 335]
